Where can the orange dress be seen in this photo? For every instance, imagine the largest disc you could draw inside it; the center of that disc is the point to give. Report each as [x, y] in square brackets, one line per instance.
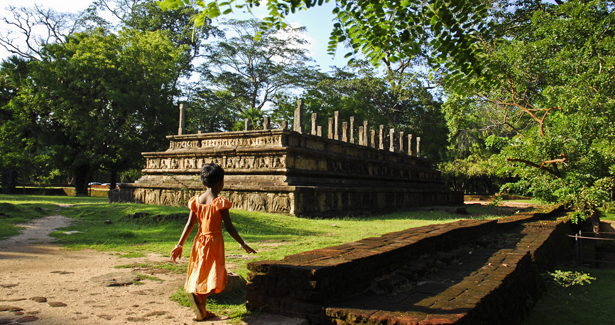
[207, 270]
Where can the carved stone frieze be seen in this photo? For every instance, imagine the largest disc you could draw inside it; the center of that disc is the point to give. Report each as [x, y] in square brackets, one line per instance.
[189, 144]
[236, 142]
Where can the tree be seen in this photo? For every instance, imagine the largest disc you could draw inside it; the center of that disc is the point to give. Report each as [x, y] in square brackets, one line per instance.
[251, 71]
[102, 98]
[146, 16]
[551, 82]
[209, 110]
[20, 151]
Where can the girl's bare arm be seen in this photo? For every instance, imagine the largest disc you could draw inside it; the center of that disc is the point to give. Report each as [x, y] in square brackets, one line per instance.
[177, 251]
[228, 224]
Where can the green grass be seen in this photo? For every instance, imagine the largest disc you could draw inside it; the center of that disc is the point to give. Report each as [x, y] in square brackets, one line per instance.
[231, 306]
[607, 214]
[147, 277]
[532, 201]
[577, 304]
[108, 227]
[19, 209]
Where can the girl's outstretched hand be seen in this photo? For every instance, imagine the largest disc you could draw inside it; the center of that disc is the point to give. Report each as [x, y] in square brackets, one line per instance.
[248, 249]
[176, 253]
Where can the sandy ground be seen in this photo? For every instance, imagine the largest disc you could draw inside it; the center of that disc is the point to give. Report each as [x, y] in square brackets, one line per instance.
[65, 289]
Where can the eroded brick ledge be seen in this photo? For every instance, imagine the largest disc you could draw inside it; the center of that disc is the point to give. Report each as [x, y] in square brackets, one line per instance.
[335, 285]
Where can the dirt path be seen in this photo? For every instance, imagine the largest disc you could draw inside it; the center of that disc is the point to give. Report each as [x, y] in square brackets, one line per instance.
[66, 290]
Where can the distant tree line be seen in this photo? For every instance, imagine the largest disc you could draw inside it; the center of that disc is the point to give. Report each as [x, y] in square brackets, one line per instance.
[94, 94]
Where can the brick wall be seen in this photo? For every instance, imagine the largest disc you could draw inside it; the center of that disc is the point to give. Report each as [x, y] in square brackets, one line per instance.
[307, 284]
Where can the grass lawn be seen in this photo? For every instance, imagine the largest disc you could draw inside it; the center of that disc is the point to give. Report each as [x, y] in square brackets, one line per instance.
[18, 209]
[272, 235]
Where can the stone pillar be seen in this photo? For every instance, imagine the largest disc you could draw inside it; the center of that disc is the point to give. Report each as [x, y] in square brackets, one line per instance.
[336, 125]
[401, 142]
[381, 138]
[345, 131]
[409, 144]
[314, 123]
[298, 120]
[247, 124]
[182, 119]
[284, 125]
[330, 131]
[352, 129]
[392, 140]
[373, 138]
[319, 130]
[266, 123]
[365, 131]
[361, 136]
[418, 146]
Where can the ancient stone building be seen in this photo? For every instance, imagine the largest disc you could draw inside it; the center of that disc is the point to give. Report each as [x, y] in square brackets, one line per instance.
[293, 172]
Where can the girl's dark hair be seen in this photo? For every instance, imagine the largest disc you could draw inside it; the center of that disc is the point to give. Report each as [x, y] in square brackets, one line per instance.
[211, 174]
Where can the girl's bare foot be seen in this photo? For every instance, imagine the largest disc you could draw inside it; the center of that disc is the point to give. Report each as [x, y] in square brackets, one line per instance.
[196, 307]
[209, 315]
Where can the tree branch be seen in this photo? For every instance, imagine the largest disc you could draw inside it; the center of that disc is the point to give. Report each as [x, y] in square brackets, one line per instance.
[542, 165]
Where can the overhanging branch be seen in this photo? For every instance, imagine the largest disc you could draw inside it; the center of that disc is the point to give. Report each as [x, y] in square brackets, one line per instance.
[542, 165]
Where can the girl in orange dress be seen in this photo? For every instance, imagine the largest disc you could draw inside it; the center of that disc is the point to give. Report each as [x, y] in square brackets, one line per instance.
[207, 271]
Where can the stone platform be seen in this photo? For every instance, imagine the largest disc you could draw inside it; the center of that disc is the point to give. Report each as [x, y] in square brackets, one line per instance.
[290, 172]
[466, 272]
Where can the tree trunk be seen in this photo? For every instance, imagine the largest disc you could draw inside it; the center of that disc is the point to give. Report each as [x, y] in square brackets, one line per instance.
[9, 179]
[595, 218]
[80, 179]
[83, 174]
[113, 181]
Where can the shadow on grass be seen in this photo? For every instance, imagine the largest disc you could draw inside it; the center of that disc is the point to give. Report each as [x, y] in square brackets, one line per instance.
[48, 199]
[590, 303]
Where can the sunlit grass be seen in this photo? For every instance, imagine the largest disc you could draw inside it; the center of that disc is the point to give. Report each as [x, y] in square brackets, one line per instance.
[229, 306]
[103, 226]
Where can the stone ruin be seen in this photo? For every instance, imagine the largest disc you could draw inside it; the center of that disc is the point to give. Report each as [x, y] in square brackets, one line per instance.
[297, 172]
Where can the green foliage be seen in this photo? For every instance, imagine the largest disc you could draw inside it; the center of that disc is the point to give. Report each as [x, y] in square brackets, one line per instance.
[385, 30]
[251, 72]
[147, 16]
[570, 278]
[546, 105]
[102, 98]
[20, 150]
[209, 110]
[475, 173]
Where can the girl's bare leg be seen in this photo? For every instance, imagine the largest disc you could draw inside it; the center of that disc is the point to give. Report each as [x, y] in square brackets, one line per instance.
[196, 306]
[202, 301]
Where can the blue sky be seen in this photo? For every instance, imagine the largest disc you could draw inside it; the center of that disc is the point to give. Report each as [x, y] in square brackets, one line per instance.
[318, 22]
